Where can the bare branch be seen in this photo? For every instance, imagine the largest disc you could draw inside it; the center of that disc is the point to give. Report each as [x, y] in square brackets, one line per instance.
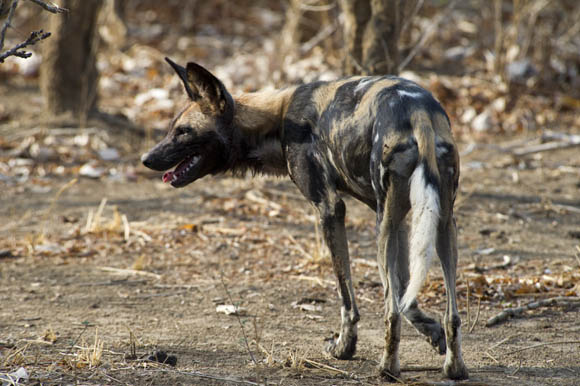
[7, 23]
[317, 8]
[34, 37]
[49, 7]
[429, 32]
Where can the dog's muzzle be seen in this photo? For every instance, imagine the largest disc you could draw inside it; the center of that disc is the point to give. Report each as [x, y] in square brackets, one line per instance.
[146, 160]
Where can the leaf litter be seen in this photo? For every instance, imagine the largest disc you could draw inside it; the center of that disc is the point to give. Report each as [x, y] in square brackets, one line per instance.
[485, 112]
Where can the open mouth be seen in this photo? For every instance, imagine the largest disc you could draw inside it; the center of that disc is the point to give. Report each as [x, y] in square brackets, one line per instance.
[181, 173]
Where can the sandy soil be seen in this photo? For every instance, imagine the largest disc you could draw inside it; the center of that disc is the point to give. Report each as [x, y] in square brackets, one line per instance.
[253, 243]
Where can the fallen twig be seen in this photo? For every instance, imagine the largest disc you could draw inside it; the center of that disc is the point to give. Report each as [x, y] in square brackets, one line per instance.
[542, 345]
[468, 307]
[476, 315]
[239, 319]
[553, 135]
[504, 340]
[551, 141]
[126, 227]
[255, 196]
[130, 272]
[208, 376]
[321, 282]
[420, 368]
[112, 282]
[491, 357]
[549, 146]
[161, 295]
[510, 312]
[568, 208]
[322, 366]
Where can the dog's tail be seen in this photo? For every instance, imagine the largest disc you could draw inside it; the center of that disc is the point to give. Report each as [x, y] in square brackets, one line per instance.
[424, 195]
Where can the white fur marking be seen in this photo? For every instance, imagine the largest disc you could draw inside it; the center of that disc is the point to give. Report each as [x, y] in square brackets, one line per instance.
[331, 158]
[410, 94]
[382, 173]
[362, 84]
[425, 218]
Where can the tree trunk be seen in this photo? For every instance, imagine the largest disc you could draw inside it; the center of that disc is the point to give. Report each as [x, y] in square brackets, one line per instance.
[304, 21]
[68, 74]
[357, 14]
[371, 32]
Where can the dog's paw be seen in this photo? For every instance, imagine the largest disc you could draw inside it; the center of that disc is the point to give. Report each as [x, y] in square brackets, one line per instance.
[437, 340]
[389, 371]
[386, 376]
[455, 370]
[341, 348]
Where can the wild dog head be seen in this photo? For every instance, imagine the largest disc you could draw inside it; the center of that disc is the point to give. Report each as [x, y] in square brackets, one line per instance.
[199, 136]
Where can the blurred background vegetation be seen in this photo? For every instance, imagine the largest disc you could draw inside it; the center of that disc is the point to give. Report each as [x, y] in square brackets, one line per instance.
[498, 66]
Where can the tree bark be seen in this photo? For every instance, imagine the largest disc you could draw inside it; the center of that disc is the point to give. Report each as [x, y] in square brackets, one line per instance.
[68, 74]
[357, 14]
[304, 21]
[371, 32]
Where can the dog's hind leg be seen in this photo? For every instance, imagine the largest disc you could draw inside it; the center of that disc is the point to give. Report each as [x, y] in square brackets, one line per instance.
[453, 367]
[390, 223]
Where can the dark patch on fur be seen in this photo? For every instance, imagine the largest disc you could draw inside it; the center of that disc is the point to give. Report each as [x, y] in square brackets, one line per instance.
[399, 148]
[430, 177]
[302, 114]
[449, 149]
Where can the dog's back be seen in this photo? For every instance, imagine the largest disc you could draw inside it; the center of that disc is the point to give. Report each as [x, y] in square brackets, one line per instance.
[367, 127]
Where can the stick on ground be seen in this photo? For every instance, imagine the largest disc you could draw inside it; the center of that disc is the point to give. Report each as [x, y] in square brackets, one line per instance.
[510, 312]
[542, 345]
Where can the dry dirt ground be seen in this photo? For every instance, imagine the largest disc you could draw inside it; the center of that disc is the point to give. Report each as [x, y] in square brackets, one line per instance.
[88, 295]
[89, 288]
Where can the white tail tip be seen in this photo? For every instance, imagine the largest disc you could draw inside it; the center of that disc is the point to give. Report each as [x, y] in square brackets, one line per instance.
[425, 218]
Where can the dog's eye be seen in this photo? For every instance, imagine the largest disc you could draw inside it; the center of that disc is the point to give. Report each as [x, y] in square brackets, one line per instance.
[182, 130]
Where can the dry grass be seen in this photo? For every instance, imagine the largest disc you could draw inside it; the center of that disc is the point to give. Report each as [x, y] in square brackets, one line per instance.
[88, 355]
[16, 356]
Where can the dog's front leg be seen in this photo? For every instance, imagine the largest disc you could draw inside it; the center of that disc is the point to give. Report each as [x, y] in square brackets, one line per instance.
[332, 213]
[310, 173]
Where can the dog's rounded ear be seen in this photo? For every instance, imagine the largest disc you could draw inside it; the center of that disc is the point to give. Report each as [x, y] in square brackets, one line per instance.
[204, 88]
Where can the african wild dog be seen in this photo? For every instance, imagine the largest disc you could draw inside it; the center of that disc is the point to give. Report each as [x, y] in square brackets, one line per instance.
[384, 140]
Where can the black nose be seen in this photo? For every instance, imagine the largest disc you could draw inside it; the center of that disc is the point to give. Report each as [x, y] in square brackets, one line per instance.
[146, 160]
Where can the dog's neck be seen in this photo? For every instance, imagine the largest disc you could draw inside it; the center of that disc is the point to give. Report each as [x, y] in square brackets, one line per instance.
[258, 122]
[260, 113]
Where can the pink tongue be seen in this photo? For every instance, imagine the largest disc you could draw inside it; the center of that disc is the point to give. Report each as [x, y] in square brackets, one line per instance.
[167, 176]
